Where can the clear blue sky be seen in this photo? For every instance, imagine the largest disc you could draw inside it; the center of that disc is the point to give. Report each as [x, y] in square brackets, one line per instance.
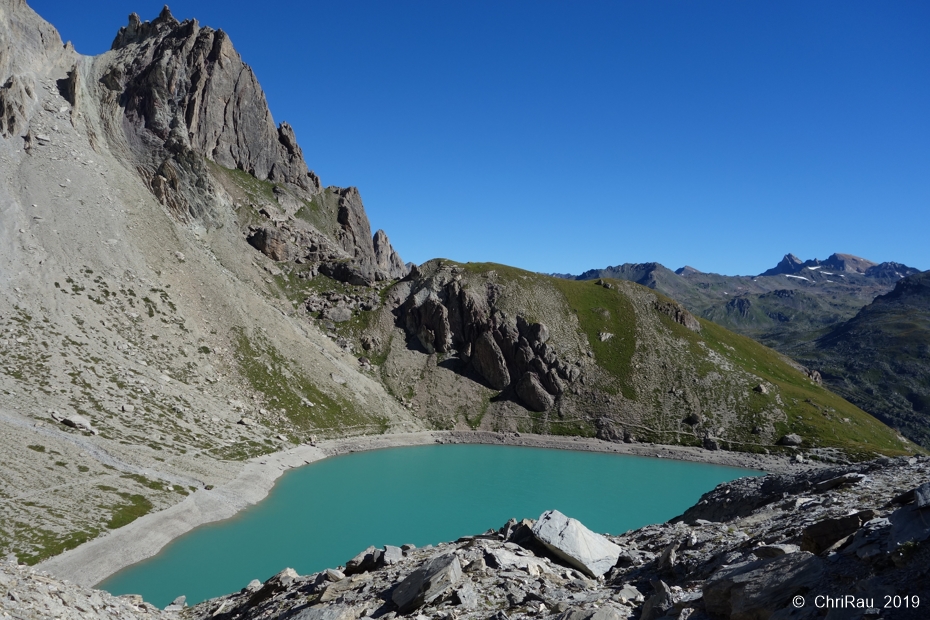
[560, 136]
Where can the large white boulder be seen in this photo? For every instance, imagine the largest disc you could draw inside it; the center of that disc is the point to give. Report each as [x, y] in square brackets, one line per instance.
[571, 541]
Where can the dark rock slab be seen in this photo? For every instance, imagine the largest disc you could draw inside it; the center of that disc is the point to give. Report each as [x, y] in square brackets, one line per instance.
[822, 535]
[659, 603]
[909, 524]
[922, 495]
[427, 583]
[531, 391]
[756, 589]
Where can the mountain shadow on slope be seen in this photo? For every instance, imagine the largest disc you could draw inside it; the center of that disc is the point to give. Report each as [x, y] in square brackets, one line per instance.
[880, 359]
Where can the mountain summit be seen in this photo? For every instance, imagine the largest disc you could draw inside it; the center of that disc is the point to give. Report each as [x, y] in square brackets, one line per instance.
[840, 263]
[789, 264]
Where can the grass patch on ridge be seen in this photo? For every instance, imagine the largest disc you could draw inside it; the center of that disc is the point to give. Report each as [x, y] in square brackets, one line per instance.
[603, 310]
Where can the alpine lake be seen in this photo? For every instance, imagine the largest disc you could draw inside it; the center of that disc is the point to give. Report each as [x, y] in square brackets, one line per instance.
[321, 515]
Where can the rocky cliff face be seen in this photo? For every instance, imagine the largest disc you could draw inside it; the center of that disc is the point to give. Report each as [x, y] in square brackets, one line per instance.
[29, 48]
[174, 96]
[182, 86]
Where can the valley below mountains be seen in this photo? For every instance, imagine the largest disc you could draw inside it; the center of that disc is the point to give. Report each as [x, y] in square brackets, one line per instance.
[182, 301]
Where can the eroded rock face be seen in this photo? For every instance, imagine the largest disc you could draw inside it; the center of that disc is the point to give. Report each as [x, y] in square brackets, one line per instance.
[446, 317]
[185, 95]
[678, 314]
[531, 391]
[15, 97]
[272, 242]
[28, 46]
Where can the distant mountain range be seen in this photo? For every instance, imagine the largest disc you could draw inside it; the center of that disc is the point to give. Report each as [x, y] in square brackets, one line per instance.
[838, 264]
[822, 313]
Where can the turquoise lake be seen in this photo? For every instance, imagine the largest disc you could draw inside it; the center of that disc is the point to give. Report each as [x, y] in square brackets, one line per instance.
[323, 514]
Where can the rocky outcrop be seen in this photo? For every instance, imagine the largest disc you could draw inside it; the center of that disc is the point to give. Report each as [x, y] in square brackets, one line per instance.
[291, 240]
[531, 391]
[272, 242]
[754, 589]
[372, 254]
[29, 47]
[447, 317]
[15, 97]
[427, 583]
[26, 593]
[677, 313]
[386, 258]
[489, 361]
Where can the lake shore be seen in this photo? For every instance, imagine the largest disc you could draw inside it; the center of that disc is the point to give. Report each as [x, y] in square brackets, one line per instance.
[96, 560]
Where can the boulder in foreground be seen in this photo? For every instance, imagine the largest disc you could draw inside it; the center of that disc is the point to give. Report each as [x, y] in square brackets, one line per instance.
[571, 541]
[426, 583]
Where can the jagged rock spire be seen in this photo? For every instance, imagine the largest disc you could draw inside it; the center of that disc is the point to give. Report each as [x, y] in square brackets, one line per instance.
[137, 30]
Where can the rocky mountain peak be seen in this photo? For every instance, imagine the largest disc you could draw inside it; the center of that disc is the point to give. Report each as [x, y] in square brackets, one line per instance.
[789, 264]
[687, 270]
[843, 263]
[183, 87]
[137, 30]
[846, 263]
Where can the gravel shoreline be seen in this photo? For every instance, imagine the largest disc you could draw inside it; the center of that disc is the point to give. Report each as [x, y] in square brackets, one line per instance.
[96, 560]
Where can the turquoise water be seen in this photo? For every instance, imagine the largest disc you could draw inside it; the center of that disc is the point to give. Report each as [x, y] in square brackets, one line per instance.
[322, 514]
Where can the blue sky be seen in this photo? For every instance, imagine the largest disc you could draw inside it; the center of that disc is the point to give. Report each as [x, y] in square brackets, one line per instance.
[559, 136]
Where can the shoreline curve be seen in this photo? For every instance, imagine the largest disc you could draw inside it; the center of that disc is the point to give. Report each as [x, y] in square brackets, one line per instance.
[94, 561]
